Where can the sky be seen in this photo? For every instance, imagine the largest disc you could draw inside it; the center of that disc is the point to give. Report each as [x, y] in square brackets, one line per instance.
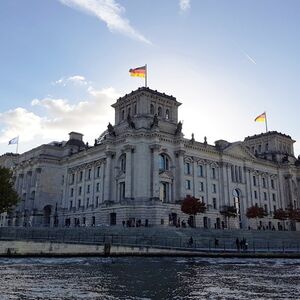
[64, 62]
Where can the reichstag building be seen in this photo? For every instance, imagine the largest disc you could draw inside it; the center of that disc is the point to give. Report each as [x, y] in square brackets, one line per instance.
[141, 168]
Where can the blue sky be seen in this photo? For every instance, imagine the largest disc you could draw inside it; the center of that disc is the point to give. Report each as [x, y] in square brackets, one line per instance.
[64, 62]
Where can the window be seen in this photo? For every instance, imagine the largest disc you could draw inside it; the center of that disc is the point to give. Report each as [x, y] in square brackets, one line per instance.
[259, 148]
[200, 170]
[254, 180]
[159, 111]
[80, 175]
[272, 184]
[88, 189]
[128, 111]
[267, 147]
[201, 188]
[240, 174]
[89, 174]
[98, 172]
[264, 182]
[152, 109]
[188, 184]
[80, 190]
[274, 207]
[187, 168]
[123, 115]
[274, 197]
[72, 192]
[71, 204]
[265, 196]
[266, 208]
[87, 202]
[163, 162]
[123, 163]
[73, 178]
[214, 188]
[215, 203]
[134, 109]
[213, 173]
[98, 187]
[255, 194]
[79, 203]
[97, 201]
[122, 191]
[167, 114]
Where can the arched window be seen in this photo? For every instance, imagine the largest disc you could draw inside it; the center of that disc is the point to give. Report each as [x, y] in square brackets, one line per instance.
[152, 109]
[164, 162]
[123, 163]
[159, 111]
[167, 114]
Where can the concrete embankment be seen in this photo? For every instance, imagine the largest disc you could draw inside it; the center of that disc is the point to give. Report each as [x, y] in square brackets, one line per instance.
[52, 249]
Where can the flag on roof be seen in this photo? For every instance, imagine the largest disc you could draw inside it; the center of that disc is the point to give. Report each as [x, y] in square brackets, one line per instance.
[14, 141]
[138, 72]
[261, 118]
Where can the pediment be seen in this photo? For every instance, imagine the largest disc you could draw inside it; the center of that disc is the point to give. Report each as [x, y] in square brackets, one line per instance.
[239, 150]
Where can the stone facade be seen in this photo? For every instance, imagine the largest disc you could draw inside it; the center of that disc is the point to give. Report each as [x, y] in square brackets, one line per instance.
[140, 169]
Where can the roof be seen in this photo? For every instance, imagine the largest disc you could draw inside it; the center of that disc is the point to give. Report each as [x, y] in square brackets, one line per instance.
[269, 133]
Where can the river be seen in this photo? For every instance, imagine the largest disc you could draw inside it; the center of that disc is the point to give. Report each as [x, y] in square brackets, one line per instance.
[149, 278]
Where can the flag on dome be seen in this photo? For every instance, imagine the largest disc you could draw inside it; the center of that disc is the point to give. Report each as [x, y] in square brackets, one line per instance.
[138, 72]
[261, 118]
[14, 141]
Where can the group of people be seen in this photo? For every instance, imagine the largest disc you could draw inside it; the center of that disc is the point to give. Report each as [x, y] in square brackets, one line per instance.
[241, 244]
[134, 223]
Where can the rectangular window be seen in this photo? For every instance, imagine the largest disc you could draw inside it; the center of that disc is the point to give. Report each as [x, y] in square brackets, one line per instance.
[73, 178]
[97, 187]
[213, 173]
[97, 201]
[266, 208]
[71, 204]
[255, 194]
[80, 175]
[79, 203]
[72, 192]
[200, 171]
[214, 188]
[188, 184]
[274, 207]
[274, 197]
[187, 168]
[265, 196]
[272, 184]
[122, 190]
[87, 202]
[98, 172]
[80, 190]
[88, 189]
[254, 180]
[215, 203]
[201, 188]
[264, 182]
[89, 174]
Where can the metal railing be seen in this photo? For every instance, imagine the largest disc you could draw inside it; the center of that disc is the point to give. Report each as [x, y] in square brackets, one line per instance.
[96, 237]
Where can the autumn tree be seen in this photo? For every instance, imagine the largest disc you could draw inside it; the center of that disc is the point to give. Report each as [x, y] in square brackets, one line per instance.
[255, 212]
[192, 206]
[8, 196]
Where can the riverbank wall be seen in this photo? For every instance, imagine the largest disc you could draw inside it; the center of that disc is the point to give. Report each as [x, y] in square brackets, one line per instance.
[52, 249]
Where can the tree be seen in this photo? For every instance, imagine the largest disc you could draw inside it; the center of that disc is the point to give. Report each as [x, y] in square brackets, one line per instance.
[192, 206]
[281, 215]
[229, 212]
[8, 196]
[255, 212]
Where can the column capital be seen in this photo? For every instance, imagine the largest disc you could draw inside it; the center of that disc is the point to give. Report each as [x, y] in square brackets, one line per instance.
[155, 147]
[128, 148]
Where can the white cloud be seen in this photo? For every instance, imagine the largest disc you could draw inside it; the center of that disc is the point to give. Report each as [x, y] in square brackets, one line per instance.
[109, 12]
[75, 80]
[59, 117]
[184, 5]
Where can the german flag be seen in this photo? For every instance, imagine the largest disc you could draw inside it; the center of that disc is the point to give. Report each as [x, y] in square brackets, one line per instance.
[138, 72]
[261, 118]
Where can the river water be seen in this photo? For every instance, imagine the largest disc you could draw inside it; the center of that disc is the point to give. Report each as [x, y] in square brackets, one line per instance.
[149, 278]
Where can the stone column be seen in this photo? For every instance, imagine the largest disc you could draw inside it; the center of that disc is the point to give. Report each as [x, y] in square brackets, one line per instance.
[108, 176]
[180, 175]
[155, 170]
[129, 171]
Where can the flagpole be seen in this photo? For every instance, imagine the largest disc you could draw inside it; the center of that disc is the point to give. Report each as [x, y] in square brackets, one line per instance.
[146, 75]
[17, 146]
[266, 122]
